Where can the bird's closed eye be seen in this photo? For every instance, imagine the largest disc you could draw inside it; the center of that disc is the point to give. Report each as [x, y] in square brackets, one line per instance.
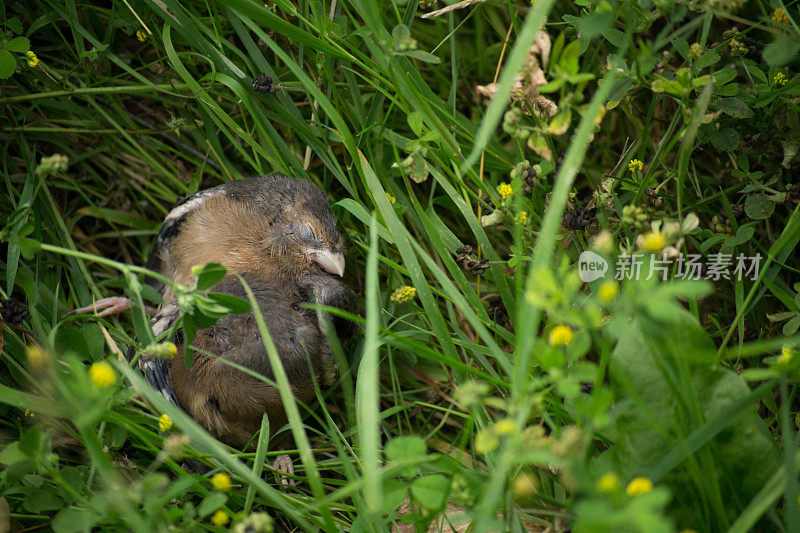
[305, 231]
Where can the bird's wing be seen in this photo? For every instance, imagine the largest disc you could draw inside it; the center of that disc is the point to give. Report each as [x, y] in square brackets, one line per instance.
[155, 370]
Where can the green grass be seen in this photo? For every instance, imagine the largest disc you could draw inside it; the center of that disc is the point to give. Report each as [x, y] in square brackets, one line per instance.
[453, 406]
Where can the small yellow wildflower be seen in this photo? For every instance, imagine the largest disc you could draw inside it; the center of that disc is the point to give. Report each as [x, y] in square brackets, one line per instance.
[560, 336]
[737, 48]
[486, 441]
[390, 198]
[786, 355]
[696, 50]
[164, 423]
[607, 291]
[37, 358]
[653, 241]
[780, 16]
[635, 166]
[162, 350]
[639, 486]
[524, 486]
[505, 426]
[780, 79]
[505, 191]
[521, 218]
[403, 294]
[220, 518]
[608, 483]
[142, 36]
[221, 481]
[33, 60]
[102, 375]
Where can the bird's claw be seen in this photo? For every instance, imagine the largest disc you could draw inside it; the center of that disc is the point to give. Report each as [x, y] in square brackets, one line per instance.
[284, 467]
[109, 306]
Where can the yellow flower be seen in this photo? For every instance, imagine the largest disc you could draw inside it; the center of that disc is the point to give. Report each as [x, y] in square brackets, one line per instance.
[403, 294]
[38, 359]
[635, 166]
[486, 441]
[164, 423]
[560, 336]
[505, 191]
[221, 481]
[786, 355]
[607, 291]
[220, 518]
[779, 79]
[780, 16]
[653, 241]
[162, 350]
[142, 36]
[102, 375]
[521, 218]
[524, 486]
[33, 60]
[608, 483]
[639, 486]
[390, 198]
[505, 427]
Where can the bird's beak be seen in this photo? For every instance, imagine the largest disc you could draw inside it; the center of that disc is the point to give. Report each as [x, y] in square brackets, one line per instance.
[330, 262]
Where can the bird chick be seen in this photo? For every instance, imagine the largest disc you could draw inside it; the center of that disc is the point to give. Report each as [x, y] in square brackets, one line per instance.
[280, 235]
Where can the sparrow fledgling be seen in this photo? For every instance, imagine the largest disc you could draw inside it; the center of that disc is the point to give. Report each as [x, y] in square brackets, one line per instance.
[280, 235]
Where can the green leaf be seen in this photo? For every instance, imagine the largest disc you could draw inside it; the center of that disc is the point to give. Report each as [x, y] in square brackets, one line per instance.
[422, 55]
[758, 207]
[431, 491]
[14, 25]
[780, 52]
[74, 520]
[232, 303]
[735, 107]
[560, 123]
[707, 59]
[394, 492]
[42, 499]
[208, 275]
[211, 503]
[404, 449]
[668, 397]
[19, 44]
[726, 139]
[7, 64]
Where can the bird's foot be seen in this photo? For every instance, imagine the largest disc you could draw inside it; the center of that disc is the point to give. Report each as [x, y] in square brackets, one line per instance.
[110, 306]
[284, 467]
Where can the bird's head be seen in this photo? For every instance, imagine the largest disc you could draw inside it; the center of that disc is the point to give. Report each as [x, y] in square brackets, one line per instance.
[302, 228]
[273, 224]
